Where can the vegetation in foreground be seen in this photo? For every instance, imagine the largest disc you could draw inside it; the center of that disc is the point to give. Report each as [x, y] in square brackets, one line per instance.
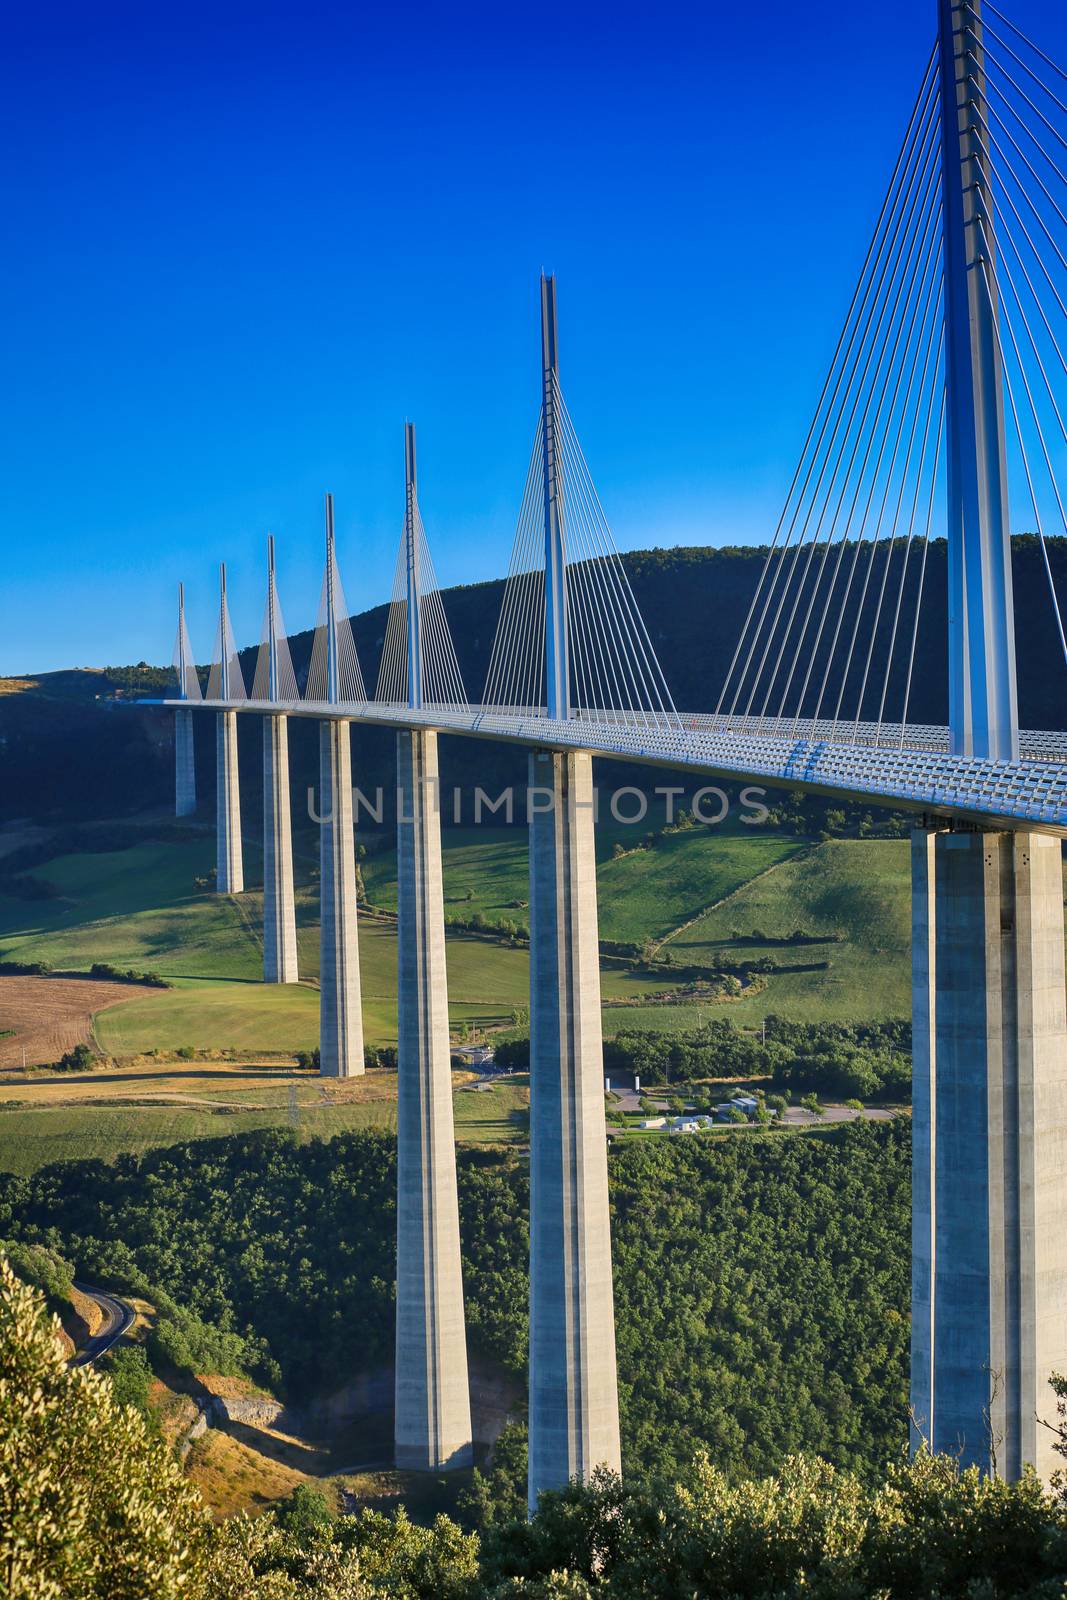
[93, 1507]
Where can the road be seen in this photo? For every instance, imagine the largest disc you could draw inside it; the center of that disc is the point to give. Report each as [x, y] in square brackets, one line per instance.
[118, 1319]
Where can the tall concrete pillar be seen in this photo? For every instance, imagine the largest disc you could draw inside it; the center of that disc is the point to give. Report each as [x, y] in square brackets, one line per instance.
[574, 1410]
[433, 1417]
[230, 878]
[990, 1221]
[184, 765]
[279, 903]
[340, 999]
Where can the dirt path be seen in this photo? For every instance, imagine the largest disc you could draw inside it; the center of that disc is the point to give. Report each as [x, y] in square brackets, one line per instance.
[46, 1017]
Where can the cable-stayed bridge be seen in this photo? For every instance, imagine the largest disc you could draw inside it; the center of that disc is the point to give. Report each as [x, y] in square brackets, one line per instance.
[941, 416]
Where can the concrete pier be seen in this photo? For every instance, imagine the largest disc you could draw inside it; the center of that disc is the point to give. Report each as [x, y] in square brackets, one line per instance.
[433, 1418]
[230, 878]
[574, 1412]
[279, 905]
[184, 765]
[989, 1293]
[340, 999]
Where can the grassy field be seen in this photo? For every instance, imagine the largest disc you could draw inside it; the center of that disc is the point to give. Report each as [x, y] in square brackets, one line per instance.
[696, 890]
[643, 894]
[860, 890]
[138, 907]
[46, 1118]
[647, 893]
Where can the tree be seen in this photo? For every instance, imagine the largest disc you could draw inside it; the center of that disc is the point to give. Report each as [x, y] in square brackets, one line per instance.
[303, 1512]
[90, 1505]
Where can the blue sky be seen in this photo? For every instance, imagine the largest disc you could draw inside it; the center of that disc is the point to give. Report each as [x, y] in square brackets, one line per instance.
[244, 243]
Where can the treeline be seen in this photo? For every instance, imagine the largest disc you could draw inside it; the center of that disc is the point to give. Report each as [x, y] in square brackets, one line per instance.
[373, 1056]
[96, 1504]
[761, 1283]
[842, 1060]
[104, 969]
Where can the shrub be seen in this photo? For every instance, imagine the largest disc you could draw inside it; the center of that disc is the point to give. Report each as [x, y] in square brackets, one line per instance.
[80, 1059]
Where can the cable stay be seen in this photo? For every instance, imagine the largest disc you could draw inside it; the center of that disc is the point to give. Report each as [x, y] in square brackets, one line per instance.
[439, 682]
[183, 663]
[275, 679]
[1021, 138]
[334, 675]
[613, 674]
[225, 680]
[818, 652]
[827, 649]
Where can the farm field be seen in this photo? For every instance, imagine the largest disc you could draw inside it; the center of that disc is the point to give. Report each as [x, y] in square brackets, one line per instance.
[44, 1018]
[105, 1114]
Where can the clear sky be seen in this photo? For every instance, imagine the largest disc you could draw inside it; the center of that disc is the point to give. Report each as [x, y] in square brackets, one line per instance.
[243, 243]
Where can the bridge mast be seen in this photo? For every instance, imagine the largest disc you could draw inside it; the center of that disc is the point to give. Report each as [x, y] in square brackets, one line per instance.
[184, 748]
[432, 1426]
[414, 618]
[340, 1001]
[989, 1027]
[557, 666]
[280, 963]
[574, 1405]
[983, 711]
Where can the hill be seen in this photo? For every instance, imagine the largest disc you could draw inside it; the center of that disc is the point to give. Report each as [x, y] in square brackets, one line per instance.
[77, 745]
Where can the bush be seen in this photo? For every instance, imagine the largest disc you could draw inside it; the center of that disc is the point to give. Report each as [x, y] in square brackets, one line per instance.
[303, 1512]
[130, 1374]
[43, 1268]
[80, 1059]
[95, 1507]
[25, 969]
[104, 970]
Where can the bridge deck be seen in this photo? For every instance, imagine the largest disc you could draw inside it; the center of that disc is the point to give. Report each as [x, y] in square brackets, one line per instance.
[859, 762]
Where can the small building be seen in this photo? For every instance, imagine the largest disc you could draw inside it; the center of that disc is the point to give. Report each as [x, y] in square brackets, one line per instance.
[653, 1122]
[689, 1124]
[746, 1103]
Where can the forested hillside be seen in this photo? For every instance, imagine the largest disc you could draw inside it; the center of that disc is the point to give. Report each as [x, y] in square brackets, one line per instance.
[761, 1283]
[68, 747]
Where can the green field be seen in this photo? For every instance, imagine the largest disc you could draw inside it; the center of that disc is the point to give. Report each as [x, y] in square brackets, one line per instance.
[644, 894]
[486, 983]
[859, 889]
[702, 894]
[32, 1138]
[696, 890]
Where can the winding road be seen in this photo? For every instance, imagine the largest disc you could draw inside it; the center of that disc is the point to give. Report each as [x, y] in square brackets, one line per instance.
[118, 1319]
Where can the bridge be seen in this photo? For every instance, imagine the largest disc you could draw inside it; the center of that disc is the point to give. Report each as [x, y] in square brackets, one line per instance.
[942, 415]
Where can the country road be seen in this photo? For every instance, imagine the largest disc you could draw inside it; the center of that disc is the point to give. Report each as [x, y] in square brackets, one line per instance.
[118, 1319]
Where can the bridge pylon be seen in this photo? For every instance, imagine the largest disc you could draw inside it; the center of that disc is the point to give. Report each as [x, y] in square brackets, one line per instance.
[184, 744]
[279, 901]
[433, 1415]
[226, 684]
[574, 1408]
[334, 669]
[989, 1023]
